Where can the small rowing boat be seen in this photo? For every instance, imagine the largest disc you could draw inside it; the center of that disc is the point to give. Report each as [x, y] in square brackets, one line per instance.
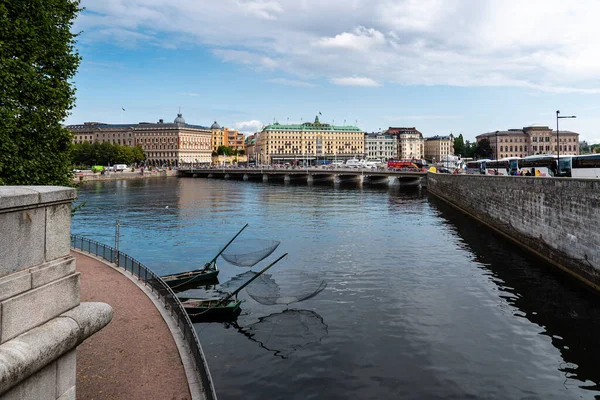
[212, 310]
[195, 278]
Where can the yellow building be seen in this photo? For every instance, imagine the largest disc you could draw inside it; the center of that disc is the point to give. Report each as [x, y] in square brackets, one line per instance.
[226, 137]
[309, 142]
[163, 143]
[438, 147]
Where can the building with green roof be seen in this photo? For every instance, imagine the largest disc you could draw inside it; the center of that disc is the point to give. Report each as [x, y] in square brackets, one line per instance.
[309, 142]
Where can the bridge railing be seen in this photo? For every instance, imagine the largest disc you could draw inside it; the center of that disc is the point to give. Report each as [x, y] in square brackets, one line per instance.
[164, 294]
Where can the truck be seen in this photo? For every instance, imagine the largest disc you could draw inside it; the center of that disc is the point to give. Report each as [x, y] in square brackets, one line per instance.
[120, 167]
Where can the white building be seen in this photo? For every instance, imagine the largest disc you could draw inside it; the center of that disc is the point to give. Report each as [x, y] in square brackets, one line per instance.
[380, 147]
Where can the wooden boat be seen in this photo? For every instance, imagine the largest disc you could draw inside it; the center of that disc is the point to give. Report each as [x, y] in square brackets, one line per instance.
[191, 278]
[212, 310]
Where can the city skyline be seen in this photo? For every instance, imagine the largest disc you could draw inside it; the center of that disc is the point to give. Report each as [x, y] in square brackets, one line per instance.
[443, 68]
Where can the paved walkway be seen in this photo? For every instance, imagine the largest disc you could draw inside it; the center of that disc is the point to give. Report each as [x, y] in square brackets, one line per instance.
[135, 356]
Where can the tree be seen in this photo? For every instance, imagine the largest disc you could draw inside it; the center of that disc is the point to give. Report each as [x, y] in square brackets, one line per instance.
[224, 151]
[483, 149]
[459, 146]
[469, 149]
[37, 62]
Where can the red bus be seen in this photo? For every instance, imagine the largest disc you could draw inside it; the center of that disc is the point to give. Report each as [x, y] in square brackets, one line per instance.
[401, 164]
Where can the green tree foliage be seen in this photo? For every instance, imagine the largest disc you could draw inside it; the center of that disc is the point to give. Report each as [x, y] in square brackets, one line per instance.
[105, 154]
[459, 145]
[469, 149]
[37, 62]
[483, 149]
[224, 151]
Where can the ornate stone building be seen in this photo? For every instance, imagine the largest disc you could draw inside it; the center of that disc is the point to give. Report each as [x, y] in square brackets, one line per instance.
[438, 147]
[410, 142]
[310, 141]
[380, 147]
[529, 141]
[163, 143]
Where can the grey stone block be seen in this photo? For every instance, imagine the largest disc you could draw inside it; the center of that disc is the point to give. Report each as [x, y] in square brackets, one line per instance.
[52, 194]
[22, 238]
[39, 305]
[40, 386]
[58, 231]
[30, 352]
[51, 271]
[69, 394]
[13, 284]
[17, 196]
[66, 373]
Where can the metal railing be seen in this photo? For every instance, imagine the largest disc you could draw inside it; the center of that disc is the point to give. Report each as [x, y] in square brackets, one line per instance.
[164, 294]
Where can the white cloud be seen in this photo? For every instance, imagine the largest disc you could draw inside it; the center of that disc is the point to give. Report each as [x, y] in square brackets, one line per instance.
[291, 82]
[545, 45]
[249, 126]
[355, 81]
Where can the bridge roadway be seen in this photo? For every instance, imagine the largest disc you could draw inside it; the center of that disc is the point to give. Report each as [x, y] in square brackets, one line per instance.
[313, 175]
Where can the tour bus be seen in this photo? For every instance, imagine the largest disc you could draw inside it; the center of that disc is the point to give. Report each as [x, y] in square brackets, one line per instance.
[538, 165]
[477, 167]
[504, 166]
[583, 166]
[393, 163]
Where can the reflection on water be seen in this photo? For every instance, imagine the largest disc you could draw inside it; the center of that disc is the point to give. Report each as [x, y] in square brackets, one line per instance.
[285, 332]
[420, 303]
[566, 313]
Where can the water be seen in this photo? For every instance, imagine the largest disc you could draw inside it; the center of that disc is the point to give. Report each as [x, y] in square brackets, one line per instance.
[421, 303]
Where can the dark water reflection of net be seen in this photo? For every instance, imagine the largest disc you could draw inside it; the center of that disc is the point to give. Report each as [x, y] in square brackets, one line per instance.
[285, 332]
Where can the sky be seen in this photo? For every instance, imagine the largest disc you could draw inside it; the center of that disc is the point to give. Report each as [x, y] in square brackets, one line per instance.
[442, 66]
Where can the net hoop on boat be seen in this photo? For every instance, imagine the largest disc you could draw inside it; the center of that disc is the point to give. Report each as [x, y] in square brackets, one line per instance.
[249, 252]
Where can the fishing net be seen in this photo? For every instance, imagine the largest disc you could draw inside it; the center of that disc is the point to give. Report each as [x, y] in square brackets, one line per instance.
[249, 252]
[287, 331]
[265, 290]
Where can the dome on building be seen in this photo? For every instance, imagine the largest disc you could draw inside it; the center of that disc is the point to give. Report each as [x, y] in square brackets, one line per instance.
[179, 119]
[215, 126]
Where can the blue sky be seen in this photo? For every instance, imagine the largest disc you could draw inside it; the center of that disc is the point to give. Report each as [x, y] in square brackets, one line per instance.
[443, 66]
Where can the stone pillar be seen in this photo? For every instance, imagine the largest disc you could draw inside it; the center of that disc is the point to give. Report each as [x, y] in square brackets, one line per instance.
[41, 319]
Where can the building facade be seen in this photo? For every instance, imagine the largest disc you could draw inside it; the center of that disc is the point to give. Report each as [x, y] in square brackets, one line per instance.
[163, 143]
[310, 142]
[380, 147]
[438, 147]
[223, 136]
[531, 140]
[410, 142]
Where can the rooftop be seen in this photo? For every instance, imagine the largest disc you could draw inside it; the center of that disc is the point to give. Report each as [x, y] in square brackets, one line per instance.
[179, 122]
[311, 126]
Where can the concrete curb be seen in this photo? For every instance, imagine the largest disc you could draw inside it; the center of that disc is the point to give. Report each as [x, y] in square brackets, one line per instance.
[194, 383]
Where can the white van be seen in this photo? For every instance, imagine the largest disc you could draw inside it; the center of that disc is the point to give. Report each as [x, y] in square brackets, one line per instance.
[120, 167]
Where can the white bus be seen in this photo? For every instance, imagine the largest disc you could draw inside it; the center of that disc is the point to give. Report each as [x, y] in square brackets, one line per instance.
[504, 166]
[538, 165]
[585, 166]
[478, 167]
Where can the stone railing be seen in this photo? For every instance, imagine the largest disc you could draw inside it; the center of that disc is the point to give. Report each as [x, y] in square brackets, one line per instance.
[41, 319]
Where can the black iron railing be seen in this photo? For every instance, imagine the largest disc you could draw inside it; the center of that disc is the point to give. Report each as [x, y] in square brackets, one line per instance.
[163, 292]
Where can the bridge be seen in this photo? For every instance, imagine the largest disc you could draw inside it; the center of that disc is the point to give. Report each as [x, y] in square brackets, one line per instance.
[312, 175]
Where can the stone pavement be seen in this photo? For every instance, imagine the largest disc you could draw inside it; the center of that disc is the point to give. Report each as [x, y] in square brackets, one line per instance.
[135, 356]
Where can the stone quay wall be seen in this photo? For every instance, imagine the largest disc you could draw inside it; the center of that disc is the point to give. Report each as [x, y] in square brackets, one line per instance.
[41, 317]
[556, 218]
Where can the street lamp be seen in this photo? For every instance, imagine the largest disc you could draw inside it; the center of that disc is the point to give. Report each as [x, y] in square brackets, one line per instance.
[558, 139]
[496, 134]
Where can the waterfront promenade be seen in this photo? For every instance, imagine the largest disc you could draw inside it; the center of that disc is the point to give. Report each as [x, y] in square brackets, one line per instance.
[135, 357]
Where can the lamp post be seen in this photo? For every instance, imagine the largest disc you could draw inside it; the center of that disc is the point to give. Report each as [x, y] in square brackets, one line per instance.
[496, 134]
[558, 139]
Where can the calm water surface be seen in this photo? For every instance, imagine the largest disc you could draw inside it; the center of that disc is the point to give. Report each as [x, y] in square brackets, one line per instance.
[421, 303]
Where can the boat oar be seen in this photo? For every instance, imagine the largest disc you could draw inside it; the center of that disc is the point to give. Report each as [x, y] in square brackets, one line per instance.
[235, 292]
[214, 260]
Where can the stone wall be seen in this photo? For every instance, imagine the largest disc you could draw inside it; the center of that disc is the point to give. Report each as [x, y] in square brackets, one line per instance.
[557, 218]
[41, 318]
